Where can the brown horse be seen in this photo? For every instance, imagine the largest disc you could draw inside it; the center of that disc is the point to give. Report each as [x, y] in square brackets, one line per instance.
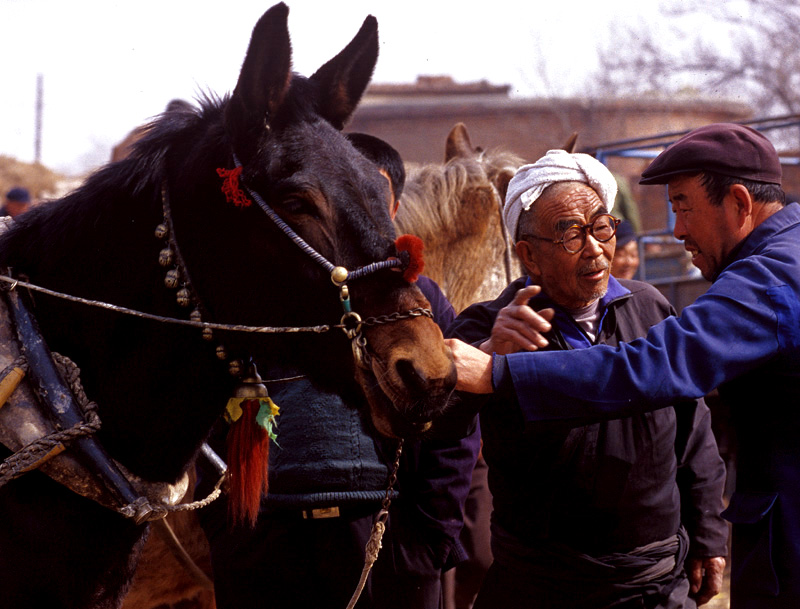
[457, 210]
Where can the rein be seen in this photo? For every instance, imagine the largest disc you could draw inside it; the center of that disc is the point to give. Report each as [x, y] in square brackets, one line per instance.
[321, 329]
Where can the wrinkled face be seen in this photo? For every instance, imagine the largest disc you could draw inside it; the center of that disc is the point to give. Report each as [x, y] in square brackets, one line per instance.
[571, 280]
[704, 228]
[626, 261]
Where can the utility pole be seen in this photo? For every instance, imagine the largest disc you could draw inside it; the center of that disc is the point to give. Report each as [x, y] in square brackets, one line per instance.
[37, 143]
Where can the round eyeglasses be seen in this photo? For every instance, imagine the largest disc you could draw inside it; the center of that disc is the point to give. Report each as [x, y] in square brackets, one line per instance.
[602, 228]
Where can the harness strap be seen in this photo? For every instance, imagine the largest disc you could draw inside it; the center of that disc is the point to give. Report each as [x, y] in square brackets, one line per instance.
[57, 397]
[167, 534]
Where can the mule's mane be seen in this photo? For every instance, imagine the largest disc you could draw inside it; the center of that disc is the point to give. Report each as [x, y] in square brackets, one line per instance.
[44, 233]
[445, 185]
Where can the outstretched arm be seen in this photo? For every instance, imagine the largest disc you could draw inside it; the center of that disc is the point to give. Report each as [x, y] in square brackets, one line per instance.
[474, 367]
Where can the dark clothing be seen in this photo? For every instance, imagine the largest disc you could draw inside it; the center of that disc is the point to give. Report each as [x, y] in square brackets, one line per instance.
[328, 456]
[556, 576]
[743, 336]
[288, 561]
[443, 312]
[462, 583]
[606, 487]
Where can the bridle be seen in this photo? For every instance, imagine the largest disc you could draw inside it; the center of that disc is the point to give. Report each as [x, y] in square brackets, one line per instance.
[178, 278]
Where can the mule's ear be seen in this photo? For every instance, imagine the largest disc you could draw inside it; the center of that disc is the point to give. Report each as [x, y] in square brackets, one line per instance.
[458, 145]
[342, 81]
[569, 146]
[263, 82]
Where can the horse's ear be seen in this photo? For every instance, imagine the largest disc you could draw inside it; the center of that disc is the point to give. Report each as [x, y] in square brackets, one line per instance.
[458, 145]
[263, 82]
[569, 146]
[342, 81]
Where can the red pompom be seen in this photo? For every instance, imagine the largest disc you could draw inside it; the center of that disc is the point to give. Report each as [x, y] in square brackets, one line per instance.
[248, 457]
[414, 246]
[230, 186]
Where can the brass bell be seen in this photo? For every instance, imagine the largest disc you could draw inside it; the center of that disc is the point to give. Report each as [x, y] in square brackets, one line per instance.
[172, 279]
[339, 275]
[166, 257]
[235, 367]
[222, 353]
[162, 231]
[195, 316]
[183, 297]
[208, 334]
[250, 385]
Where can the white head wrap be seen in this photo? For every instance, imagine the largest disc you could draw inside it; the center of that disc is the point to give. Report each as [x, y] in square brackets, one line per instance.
[530, 181]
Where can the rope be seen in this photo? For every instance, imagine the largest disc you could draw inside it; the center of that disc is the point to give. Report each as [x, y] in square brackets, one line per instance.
[370, 321]
[31, 455]
[181, 322]
[373, 546]
[21, 362]
[142, 510]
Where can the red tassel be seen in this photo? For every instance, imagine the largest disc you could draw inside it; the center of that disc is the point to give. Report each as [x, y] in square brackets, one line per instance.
[248, 456]
[230, 186]
[414, 246]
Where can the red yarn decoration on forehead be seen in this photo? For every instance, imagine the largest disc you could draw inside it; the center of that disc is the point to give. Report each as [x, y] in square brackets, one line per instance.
[230, 186]
[414, 246]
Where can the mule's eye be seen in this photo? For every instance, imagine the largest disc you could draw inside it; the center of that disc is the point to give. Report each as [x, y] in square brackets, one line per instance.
[298, 206]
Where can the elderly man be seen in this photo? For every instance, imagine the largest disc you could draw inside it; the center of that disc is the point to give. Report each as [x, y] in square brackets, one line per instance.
[742, 336]
[603, 514]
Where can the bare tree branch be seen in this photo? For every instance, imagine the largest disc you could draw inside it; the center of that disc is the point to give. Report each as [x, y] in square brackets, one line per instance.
[741, 50]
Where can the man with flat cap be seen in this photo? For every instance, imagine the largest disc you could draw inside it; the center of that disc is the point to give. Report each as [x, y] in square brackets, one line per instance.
[17, 201]
[617, 513]
[742, 336]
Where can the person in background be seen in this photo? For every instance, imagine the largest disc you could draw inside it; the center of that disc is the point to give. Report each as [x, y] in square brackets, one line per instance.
[626, 257]
[619, 513]
[390, 164]
[17, 201]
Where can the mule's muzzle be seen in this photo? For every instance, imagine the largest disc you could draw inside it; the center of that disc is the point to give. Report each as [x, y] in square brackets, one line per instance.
[412, 399]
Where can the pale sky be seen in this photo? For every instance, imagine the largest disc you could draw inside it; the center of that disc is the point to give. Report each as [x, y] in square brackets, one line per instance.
[108, 65]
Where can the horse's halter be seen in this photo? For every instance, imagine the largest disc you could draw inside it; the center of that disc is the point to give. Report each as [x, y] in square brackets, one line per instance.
[351, 322]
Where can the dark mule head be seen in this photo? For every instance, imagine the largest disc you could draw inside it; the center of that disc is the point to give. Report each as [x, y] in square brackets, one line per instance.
[285, 131]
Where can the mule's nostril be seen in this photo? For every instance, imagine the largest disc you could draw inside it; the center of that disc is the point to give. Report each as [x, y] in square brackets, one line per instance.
[414, 380]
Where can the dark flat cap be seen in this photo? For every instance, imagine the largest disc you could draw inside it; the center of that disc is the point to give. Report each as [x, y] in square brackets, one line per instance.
[726, 148]
[19, 195]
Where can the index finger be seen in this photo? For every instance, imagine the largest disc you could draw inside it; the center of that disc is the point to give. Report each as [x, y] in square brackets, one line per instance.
[525, 294]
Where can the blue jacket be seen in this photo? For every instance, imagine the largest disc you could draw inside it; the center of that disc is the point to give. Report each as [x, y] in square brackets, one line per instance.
[742, 336]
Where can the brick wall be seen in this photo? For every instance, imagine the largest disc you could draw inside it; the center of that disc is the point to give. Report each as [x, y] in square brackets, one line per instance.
[418, 126]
